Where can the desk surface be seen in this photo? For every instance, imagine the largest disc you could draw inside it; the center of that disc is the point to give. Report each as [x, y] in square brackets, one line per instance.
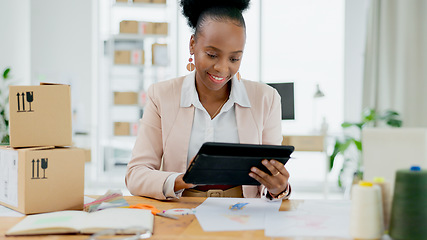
[187, 227]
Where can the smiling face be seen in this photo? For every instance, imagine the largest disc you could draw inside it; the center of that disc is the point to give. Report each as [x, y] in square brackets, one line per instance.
[218, 50]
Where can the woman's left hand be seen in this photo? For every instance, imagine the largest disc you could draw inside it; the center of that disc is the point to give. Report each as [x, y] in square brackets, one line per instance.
[277, 182]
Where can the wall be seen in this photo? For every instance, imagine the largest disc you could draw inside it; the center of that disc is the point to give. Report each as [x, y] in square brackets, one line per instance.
[15, 39]
[303, 42]
[355, 37]
[61, 51]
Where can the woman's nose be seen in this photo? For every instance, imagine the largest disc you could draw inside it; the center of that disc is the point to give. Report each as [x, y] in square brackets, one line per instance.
[221, 65]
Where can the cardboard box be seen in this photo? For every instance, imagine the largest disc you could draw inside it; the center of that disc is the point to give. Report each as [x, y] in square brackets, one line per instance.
[146, 28]
[137, 57]
[87, 154]
[125, 128]
[43, 179]
[135, 27]
[125, 98]
[160, 28]
[159, 1]
[40, 115]
[150, 1]
[121, 129]
[121, 57]
[134, 57]
[127, 26]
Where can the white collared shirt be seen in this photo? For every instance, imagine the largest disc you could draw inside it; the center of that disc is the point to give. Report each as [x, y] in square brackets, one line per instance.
[222, 128]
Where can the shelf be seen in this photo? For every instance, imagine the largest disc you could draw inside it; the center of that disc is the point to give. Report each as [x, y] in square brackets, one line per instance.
[115, 150]
[139, 5]
[137, 37]
[129, 65]
[142, 66]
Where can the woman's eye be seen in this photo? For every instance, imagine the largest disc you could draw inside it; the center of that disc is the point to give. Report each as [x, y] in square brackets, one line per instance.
[211, 55]
[235, 60]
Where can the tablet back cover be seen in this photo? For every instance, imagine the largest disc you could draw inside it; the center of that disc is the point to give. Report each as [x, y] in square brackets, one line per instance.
[230, 164]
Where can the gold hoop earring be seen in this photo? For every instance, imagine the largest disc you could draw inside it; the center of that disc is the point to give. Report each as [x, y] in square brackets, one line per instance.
[190, 65]
[238, 76]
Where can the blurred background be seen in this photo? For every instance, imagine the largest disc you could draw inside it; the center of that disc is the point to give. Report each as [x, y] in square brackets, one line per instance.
[357, 62]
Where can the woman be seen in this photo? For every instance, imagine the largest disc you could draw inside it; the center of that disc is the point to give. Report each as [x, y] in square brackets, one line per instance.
[209, 104]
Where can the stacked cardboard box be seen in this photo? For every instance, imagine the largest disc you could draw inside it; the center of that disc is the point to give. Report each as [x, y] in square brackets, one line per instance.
[150, 1]
[40, 115]
[131, 57]
[39, 172]
[125, 98]
[160, 28]
[129, 27]
[135, 27]
[125, 128]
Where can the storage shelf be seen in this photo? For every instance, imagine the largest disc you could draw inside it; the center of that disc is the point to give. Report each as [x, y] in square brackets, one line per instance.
[139, 5]
[137, 37]
[115, 150]
[130, 65]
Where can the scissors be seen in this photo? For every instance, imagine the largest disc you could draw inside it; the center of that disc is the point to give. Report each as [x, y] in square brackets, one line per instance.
[153, 209]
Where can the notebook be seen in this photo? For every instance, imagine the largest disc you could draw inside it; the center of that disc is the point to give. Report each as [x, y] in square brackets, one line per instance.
[79, 222]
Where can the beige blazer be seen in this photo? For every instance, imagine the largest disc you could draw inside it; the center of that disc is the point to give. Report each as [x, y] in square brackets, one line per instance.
[165, 128]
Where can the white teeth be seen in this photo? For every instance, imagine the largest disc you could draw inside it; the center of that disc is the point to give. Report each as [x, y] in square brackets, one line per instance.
[217, 78]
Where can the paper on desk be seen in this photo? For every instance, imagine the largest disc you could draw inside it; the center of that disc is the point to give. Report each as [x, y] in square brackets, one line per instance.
[326, 206]
[7, 212]
[313, 218]
[214, 214]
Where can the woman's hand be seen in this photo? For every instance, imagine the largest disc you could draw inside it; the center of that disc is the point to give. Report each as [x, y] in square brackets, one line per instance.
[180, 184]
[277, 182]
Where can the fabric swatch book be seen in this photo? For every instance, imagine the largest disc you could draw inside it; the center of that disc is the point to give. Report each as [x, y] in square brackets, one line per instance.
[75, 222]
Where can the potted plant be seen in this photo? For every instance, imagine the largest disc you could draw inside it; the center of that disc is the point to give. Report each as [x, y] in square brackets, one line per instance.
[4, 107]
[350, 145]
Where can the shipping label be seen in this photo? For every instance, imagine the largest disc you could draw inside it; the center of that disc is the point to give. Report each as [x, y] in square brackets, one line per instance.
[9, 177]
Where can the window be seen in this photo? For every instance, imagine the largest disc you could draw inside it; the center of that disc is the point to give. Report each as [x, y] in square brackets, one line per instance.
[303, 42]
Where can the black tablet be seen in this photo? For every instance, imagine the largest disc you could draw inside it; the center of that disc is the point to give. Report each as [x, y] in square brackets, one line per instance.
[230, 163]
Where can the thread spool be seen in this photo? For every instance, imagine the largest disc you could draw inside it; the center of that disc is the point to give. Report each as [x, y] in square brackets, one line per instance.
[366, 220]
[386, 199]
[409, 207]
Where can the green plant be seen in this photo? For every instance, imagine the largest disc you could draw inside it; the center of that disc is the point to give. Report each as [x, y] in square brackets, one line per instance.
[350, 145]
[4, 105]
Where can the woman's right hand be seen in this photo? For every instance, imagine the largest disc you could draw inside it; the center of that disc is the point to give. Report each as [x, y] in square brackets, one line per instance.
[180, 184]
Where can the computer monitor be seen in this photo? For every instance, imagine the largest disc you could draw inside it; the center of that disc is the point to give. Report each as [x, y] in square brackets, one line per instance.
[286, 92]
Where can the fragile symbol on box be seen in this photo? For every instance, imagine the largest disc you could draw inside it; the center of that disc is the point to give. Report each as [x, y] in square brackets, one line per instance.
[29, 98]
[36, 172]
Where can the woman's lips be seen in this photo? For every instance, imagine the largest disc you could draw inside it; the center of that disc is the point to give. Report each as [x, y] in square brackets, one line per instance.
[216, 79]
